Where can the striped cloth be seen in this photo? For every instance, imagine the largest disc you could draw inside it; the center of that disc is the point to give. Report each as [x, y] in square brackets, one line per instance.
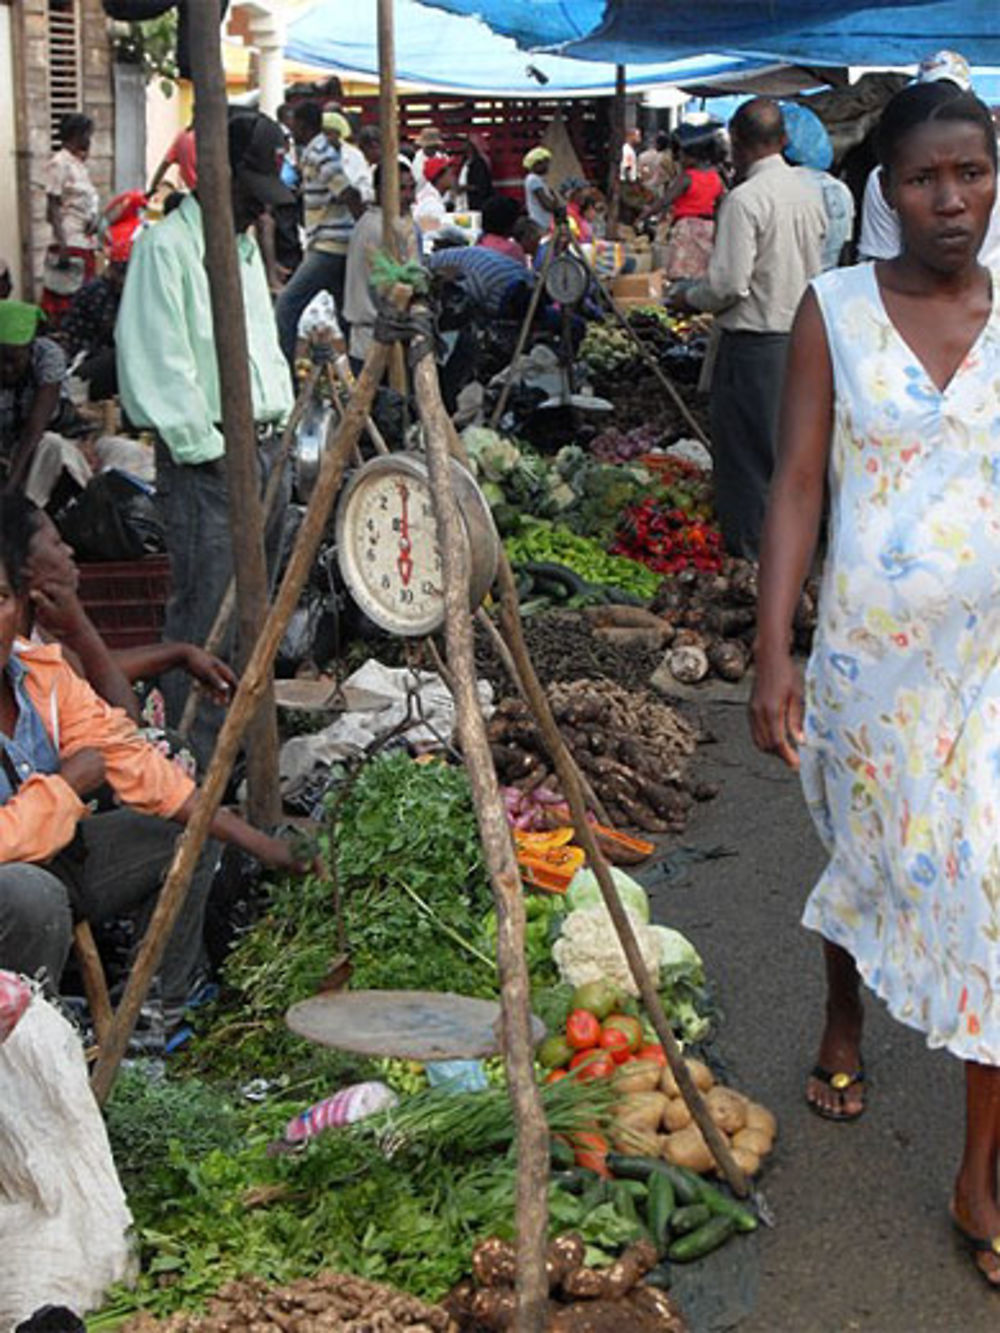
[328, 224]
[491, 279]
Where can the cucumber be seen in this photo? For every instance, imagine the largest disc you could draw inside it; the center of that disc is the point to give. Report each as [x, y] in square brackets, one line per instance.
[689, 1218]
[659, 1207]
[636, 1188]
[561, 1155]
[660, 1277]
[687, 1186]
[633, 1168]
[696, 1244]
[721, 1205]
[624, 1203]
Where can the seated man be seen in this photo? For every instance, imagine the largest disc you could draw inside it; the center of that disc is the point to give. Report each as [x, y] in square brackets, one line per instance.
[35, 409]
[58, 742]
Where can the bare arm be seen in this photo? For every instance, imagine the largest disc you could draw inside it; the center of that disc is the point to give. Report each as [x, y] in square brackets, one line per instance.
[791, 528]
[42, 408]
[154, 659]
[229, 827]
[53, 216]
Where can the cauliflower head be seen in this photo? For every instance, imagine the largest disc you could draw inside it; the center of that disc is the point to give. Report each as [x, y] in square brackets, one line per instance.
[589, 949]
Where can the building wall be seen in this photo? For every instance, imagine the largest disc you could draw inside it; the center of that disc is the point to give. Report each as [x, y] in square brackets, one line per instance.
[35, 110]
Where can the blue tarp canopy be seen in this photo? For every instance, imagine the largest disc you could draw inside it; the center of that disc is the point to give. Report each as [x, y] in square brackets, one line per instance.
[442, 50]
[809, 32]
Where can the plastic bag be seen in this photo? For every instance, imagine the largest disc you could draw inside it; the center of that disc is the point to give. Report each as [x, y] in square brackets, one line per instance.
[63, 1215]
[15, 996]
[114, 519]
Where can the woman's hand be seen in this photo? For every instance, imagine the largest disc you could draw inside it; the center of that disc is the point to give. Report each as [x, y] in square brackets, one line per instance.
[290, 856]
[215, 677]
[776, 708]
[58, 609]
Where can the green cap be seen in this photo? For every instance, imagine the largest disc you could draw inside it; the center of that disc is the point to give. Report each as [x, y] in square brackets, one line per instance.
[18, 322]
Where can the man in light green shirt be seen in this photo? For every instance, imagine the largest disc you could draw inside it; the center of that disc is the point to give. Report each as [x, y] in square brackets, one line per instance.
[168, 380]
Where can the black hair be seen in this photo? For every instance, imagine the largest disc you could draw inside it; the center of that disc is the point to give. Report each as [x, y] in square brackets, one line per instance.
[74, 125]
[662, 141]
[369, 134]
[309, 114]
[19, 521]
[500, 214]
[377, 175]
[921, 103]
[759, 123]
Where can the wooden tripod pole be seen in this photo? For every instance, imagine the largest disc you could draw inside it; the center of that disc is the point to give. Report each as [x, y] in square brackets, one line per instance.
[222, 265]
[388, 119]
[252, 687]
[501, 862]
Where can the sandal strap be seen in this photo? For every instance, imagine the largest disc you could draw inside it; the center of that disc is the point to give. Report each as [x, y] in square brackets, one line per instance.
[838, 1079]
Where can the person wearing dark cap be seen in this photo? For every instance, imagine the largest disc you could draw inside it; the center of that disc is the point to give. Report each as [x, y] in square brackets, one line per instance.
[168, 382]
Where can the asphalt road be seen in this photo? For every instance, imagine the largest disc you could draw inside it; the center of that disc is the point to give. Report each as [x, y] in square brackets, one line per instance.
[862, 1239]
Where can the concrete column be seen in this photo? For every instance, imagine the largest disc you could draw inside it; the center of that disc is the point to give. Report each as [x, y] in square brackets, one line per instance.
[267, 34]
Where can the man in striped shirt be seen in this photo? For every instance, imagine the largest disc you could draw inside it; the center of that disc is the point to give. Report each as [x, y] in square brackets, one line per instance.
[498, 285]
[331, 205]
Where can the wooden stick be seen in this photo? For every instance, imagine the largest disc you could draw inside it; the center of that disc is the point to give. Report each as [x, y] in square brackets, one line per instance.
[515, 993]
[522, 337]
[388, 118]
[220, 625]
[584, 835]
[617, 144]
[95, 983]
[222, 266]
[252, 687]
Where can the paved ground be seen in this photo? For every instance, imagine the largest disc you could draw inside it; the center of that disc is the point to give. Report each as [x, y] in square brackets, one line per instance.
[862, 1240]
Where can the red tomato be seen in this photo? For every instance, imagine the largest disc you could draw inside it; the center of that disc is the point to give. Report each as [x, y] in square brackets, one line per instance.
[592, 1064]
[615, 1042]
[652, 1052]
[554, 1075]
[627, 1024]
[593, 1161]
[582, 1030]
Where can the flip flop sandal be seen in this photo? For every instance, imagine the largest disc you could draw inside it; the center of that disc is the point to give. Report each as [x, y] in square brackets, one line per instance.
[839, 1080]
[980, 1245]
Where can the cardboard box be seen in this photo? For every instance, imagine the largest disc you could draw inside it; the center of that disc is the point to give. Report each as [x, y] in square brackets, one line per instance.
[634, 289]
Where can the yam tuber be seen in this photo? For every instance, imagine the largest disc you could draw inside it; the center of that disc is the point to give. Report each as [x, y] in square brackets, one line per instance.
[494, 1263]
[688, 665]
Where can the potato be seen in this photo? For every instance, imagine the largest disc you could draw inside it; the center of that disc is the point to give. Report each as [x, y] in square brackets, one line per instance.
[688, 1148]
[644, 1110]
[759, 1117]
[636, 1076]
[753, 1140]
[668, 1083]
[701, 1075]
[676, 1114]
[749, 1161]
[727, 1109]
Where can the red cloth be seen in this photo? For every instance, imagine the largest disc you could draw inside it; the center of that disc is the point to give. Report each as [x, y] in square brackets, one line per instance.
[701, 196]
[503, 245]
[182, 153]
[55, 304]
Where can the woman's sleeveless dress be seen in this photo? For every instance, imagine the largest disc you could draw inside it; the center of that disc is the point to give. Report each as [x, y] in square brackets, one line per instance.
[901, 765]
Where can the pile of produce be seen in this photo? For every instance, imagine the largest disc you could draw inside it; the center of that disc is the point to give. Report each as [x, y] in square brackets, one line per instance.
[668, 539]
[336, 1302]
[581, 1299]
[632, 747]
[540, 542]
[564, 646]
[617, 446]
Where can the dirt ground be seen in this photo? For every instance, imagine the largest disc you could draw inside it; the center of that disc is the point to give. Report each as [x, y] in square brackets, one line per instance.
[862, 1239]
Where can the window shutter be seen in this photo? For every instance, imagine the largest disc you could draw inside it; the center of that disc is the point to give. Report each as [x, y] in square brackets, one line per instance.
[64, 63]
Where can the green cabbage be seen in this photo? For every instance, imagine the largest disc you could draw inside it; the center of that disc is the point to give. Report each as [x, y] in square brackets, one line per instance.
[584, 891]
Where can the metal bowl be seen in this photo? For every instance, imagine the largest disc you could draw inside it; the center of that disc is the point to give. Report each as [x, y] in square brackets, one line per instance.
[307, 452]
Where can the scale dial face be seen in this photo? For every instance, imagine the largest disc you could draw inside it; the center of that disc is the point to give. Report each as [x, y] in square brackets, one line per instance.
[566, 280]
[387, 547]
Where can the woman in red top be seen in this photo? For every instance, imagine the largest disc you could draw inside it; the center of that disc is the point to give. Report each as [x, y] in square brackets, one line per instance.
[692, 197]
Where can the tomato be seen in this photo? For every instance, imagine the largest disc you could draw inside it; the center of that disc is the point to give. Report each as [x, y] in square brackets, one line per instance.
[615, 1042]
[627, 1024]
[554, 1052]
[554, 1075]
[653, 1052]
[593, 1161]
[582, 1030]
[592, 1064]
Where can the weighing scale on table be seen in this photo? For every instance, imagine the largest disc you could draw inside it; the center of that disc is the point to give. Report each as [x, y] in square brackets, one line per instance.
[566, 282]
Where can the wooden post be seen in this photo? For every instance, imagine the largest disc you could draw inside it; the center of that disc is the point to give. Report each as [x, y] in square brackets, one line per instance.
[253, 684]
[617, 144]
[501, 862]
[388, 116]
[228, 319]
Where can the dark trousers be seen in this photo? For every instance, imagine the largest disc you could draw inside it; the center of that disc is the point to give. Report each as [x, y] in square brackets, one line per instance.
[127, 857]
[194, 504]
[746, 396]
[318, 271]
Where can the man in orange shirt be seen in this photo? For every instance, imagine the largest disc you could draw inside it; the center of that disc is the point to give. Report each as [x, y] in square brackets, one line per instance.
[58, 743]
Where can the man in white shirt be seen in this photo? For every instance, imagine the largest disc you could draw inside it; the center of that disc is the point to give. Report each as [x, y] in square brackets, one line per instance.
[768, 245]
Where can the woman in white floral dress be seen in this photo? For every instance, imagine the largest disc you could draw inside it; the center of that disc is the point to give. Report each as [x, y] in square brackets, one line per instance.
[893, 401]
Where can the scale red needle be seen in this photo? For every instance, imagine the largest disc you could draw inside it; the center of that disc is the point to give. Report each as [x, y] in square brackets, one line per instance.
[404, 562]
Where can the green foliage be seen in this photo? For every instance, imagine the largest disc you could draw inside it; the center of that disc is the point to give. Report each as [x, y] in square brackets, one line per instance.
[153, 44]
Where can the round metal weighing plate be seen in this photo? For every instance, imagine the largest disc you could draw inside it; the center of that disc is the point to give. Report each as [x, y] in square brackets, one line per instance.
[310, 438]
[403, 1025]
[566, 280]
[387, 543]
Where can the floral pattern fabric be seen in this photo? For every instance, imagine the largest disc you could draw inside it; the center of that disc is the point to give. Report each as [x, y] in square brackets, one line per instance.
[901, 762]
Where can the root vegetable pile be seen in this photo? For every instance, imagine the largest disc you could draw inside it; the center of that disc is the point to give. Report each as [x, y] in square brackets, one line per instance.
[334, 1301]
[634, 749]
[563, 646]
[582, 1299]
